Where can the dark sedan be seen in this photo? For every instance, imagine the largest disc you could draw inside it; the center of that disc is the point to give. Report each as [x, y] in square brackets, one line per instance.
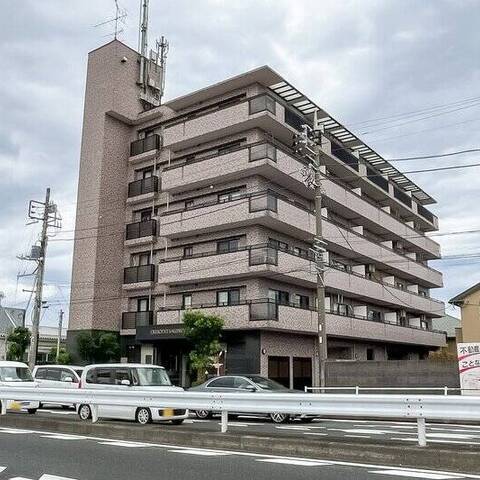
[247, 383]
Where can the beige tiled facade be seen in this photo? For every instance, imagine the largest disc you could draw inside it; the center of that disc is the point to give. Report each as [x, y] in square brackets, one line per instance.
[200, 203]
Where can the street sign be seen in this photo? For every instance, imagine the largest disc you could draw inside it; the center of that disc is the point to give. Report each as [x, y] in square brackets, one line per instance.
[469, 367]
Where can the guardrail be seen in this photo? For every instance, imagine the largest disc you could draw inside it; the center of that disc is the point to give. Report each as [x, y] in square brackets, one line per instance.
[444, 390]
[421, 408]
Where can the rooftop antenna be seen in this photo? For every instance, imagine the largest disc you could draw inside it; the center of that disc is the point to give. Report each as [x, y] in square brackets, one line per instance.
[120, 16]
[152, 66]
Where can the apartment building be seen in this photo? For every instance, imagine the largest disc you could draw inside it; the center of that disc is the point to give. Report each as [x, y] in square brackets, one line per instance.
[201, 203]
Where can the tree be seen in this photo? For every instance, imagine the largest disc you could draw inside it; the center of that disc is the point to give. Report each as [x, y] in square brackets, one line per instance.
[18, 341]
[64, 358]
[98, 346]
[203, 331]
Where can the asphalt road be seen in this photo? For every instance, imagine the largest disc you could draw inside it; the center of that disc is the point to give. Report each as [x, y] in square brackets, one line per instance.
[33, 455]
[383, 431]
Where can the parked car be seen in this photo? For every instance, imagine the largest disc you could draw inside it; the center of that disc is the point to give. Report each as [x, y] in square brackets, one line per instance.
[243, 384]
[58, 376]
[12, 374]
[127, 376]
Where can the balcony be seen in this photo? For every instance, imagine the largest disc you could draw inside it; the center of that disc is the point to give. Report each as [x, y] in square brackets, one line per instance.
[132, 320]
[250, 314]
[148, 145]
[143, 186]
[139, 233]
[361, 328]
[138, 277]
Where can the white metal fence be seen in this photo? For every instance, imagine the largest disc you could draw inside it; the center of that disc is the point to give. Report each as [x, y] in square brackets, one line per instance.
[357, 390]
[419, 407]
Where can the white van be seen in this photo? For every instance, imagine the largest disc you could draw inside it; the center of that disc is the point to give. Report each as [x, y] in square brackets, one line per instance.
[14, 374]
[57, 376]
[125, 377]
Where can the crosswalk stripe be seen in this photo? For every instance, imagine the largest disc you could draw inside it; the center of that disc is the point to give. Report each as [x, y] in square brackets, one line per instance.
[204, 453]
[410, 474]
[287, 461]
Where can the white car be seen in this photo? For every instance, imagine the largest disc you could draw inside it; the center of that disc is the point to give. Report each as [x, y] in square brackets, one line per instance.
[13, 374]
[126, 377]
[58, 376]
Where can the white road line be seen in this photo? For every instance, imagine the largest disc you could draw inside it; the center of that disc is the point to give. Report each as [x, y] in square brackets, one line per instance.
[358, 436]
[294, 427]
[2, 469]
[15, 431]
[21, 478]
[368, 431]
[300, 463]
[232, 424]
[410, 474]
[436, 429]
[318, 434]
[454, 436]
[114, 443]
[64, 437]
[54, 477]
[203, 453]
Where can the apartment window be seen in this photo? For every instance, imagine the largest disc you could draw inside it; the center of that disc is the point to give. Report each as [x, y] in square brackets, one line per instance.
[225, 246]
[342, 309]
[302, 301]
[186, 301]
[143, 304]
[144, 259]
[402, 321]
[375, 315]
[370, 354]
[279, 296]
[188, 251]
[278, 244]
[340, 265]
[262, 103]
[228, 297]
[423, 324]
[400, 285]
[229, 196]
[301, 252]
[145, 216]
[144, 173]
[264, 150]
[189, 203]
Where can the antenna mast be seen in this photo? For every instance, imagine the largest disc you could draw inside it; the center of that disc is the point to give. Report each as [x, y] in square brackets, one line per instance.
[152, 67]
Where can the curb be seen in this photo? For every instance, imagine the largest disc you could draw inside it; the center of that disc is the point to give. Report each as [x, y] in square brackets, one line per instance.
[463, 458]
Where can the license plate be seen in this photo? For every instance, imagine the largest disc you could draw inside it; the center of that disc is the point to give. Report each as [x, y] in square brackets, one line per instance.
[15, 406]
[167, 412]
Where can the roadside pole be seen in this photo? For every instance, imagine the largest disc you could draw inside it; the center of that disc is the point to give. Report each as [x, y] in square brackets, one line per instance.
[59, 337]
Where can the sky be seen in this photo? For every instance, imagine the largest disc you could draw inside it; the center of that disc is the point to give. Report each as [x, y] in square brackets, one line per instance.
[359, 59]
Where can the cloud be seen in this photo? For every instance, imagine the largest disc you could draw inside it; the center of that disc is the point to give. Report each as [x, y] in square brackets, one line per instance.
[359, 59]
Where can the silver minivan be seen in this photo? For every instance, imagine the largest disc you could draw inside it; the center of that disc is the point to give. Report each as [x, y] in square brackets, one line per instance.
[58, 376]
[130, 376]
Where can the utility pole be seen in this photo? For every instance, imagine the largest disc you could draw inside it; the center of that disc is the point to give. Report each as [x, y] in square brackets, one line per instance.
[308, 145]
[59, 338]
[47, 213]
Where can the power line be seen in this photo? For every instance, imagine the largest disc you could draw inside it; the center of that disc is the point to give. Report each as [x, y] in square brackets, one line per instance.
[460, 152]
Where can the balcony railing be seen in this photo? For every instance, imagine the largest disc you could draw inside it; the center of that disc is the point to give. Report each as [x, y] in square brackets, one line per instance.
[142, 273]
[294, 120]
[263, 255]
[262, 151]
[402, 196]
[425, 213]
[262, 103]
[377, 178]
[141, 229]
[152, 142]
[142, 186]
[132, 320]
[344, 156]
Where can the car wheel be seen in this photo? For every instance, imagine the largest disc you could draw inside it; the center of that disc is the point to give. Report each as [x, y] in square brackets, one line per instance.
[203, 414]
[179, 421]
[84, 412]
[143, 416]
[32, 411]
[279, 417]
[307, 419]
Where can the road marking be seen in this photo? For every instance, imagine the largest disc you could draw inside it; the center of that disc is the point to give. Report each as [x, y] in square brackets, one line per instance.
[301, 463]
[454, 436]
[204, 453]
[434, 440]
[318, 434]
[368, 431]
[54, 477]
[114, 443]
[410, 474]
[235, 424]
[21, 478]
[294, 427]
[15, 431]
[2, 469]
[358, 436]
[60, 436]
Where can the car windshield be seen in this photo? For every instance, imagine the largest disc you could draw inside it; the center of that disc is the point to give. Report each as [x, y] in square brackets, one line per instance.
[15, 374]
[152, 377]
[266, 383]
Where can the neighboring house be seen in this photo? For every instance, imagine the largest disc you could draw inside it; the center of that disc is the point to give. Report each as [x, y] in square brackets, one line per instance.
[47, 339]
[469, 304]
[9, 319]
[452, 326]
[217, 217]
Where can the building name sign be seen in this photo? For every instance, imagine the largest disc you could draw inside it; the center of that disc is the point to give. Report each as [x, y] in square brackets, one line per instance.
[160, 331]
[469, 367]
